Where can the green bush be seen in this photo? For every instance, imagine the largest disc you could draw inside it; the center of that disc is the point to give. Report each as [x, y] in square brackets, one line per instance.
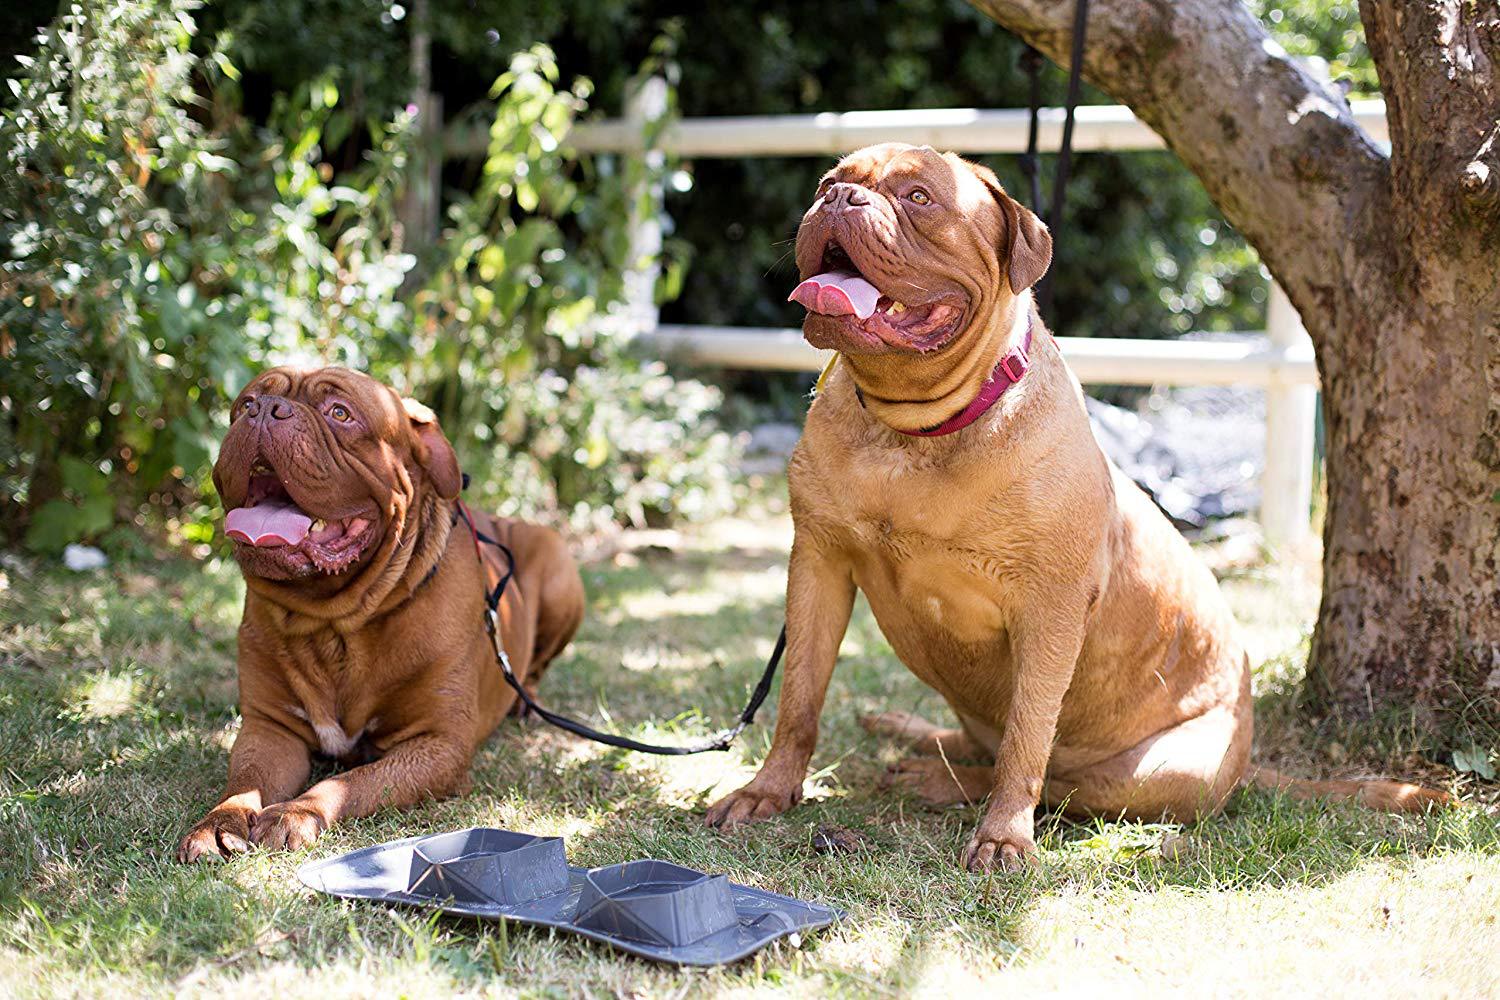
[159, 247]
[519, 345]
[111, 342]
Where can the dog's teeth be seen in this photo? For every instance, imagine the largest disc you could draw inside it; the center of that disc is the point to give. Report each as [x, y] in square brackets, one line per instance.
[318, 525]
[896, 307]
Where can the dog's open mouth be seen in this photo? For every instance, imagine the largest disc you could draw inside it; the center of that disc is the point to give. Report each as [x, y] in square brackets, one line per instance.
[270, 519]
[840, 290]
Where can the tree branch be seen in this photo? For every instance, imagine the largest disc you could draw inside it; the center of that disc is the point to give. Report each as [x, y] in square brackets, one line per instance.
[1278, 151]
[1439, 64]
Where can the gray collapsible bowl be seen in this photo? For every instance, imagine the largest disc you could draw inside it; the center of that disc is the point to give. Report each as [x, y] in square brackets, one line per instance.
[651, 908]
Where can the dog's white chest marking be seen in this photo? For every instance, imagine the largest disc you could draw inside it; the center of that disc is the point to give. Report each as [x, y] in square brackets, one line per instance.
[334, 741]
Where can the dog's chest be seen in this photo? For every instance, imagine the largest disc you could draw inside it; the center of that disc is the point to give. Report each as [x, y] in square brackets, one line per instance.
[333, 695]
[333, 739]
[929, 549]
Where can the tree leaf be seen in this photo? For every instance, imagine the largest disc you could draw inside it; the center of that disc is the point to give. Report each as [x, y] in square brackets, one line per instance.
[1474, 760]
[82, 478]
[53, 526]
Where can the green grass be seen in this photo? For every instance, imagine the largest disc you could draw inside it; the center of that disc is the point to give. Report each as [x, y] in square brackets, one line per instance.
[117, 705]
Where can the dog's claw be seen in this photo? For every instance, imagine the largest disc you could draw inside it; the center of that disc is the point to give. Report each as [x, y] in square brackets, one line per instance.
[221, 833]
[750, 805]
[233, 844]
[288, 826]
[1008, 854]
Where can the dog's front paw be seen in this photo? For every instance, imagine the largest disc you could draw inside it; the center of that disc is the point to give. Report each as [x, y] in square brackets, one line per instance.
[1001, 845]
[752, 804]
[288, 826]
[224, 831]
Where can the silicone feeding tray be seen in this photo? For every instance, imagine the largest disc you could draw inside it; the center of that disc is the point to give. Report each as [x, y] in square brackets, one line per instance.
[650, 908]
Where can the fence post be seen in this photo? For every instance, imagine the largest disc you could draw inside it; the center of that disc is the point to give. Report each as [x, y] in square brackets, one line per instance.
[645, 103]
[1286, 485]
[419, 208]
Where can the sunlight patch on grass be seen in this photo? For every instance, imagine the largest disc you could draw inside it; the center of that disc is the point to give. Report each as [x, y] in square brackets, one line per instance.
[1385, 928]
[867, 947]
[716, 592]
[1117, 842]
[643, 658]
[1274, 605]
[106, 694]
[685, 781]
[950, 965]
[225, 737]
[650, 607]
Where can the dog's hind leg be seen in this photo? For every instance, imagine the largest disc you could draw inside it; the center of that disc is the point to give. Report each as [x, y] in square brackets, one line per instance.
[937, 782]
[925, 738]
[1180, 774]
[550, 579]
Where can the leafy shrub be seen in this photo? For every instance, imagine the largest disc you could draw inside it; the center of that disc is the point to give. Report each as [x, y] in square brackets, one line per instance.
[109, 345]
[519, 338]
[159, 248]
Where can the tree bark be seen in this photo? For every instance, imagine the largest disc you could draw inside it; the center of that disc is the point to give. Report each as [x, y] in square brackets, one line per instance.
[1393, 261]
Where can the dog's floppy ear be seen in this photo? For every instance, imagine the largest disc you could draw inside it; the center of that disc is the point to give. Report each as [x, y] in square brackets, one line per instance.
[1024, 239]
[433, 452]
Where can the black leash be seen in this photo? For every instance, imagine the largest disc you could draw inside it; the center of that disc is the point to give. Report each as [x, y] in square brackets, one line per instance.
[719, 741]
[1031, 63]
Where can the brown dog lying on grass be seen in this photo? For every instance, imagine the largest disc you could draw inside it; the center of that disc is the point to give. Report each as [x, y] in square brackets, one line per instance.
[1085, 650]
[363, 635]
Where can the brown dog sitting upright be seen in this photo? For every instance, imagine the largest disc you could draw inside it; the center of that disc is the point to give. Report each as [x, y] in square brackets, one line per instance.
[948, 470]
[363, 634]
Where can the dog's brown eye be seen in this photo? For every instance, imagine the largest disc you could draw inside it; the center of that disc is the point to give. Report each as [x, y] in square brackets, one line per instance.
[340, 413]
[919, 197]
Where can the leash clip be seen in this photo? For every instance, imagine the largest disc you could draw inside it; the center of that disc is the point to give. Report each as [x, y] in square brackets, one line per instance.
[724, 738]
[492, 622]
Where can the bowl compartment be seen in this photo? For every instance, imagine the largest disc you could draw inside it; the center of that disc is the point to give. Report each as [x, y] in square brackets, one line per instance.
[488, 866]
[656, 902]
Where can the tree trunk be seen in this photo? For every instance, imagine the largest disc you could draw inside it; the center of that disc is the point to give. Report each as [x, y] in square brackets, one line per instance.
[1394, 263]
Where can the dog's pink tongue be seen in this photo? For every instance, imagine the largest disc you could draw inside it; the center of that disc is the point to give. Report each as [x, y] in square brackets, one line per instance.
[837, 293]
[267, 524]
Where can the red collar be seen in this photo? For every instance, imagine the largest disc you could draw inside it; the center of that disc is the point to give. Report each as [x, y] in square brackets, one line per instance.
[1005, 374]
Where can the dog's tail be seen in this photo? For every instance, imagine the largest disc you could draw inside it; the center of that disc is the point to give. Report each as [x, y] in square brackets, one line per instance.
[1387, 796]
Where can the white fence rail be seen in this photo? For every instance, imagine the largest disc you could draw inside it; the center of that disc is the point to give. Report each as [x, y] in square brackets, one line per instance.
[966, 130]
[1285, 368]
[1095, 360]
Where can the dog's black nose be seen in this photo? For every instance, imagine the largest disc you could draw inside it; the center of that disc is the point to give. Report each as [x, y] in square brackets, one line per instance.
[844, 196]
[272, 407]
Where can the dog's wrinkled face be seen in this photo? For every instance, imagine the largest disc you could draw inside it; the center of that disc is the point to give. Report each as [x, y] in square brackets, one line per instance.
[905, 248]
[320, 467]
